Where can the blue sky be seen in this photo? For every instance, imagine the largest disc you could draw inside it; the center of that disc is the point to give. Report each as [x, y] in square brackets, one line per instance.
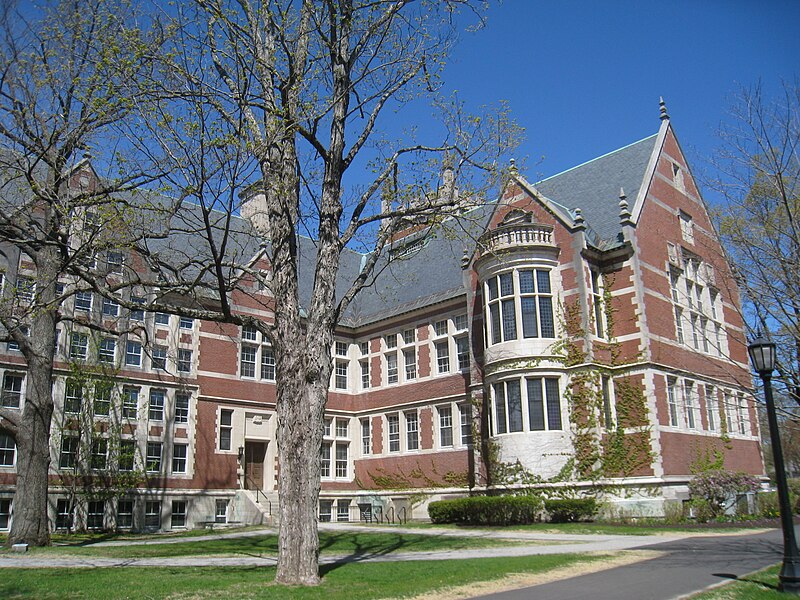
[584, 78]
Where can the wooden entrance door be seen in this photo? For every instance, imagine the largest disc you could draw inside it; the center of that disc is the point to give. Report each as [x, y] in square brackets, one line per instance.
[254, 453]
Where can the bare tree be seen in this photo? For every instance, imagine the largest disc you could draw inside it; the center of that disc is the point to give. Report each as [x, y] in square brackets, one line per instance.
[759, 166]
[275, 112]
[63, 87]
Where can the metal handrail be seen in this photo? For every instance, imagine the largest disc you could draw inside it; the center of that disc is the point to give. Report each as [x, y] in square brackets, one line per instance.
[258, 491]
[391, 509]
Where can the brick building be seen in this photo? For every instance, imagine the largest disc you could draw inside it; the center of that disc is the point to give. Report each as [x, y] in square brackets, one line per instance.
[585, 327]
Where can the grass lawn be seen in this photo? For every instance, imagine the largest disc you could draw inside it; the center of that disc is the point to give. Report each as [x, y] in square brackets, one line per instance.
[606, 528]
[351, 581]
[345, 542]
[759, 586]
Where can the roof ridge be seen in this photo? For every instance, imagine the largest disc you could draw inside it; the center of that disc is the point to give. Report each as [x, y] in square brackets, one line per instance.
[583, 164]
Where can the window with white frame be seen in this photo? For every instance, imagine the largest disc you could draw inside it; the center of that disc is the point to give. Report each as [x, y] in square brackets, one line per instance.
[136, 314]
[225, 429]
[267, 363]
[341, 375]
[181, 407]
[110, 308]
[152, 514]
[325, 511]
[155, 409]
[412, 430]
[73, 397]
[342, 428]
[186, 323]
[115, 261]
[179, 454]
[130, 402]
[158, 360]
[462, 352]
[364, 366]
[690, 404]
[340, 348]
[410, 363]
[178, 515]
[366, 436]
[393, 429]
[103, 391]
[343, 509]
[68, 457]
[133, 353]
[161, 318]
[443, 356]
[8, 451]
[78, 346]
[672, 402]
[65, 513]
[12, 390]
[364, 348]
[445, 414]
[341, 459]
[440, 328]
[126, 458]
[95, 514]
[742, 414]
[391, 341]
[712, 408]
[153, 456]
[465, 414]
[409, 336]
[247, 364]
[124, 514]
[25, 289]
[697, 306]
[99, 457]
[519, 300]
[249, 333]
[538, 401]
[83, 301]
[325, 459]
[107, 350]
[184, 360]
[391, 367]
[460, 322]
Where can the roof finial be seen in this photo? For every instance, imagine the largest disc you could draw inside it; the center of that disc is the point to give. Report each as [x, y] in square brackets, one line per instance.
[580, 222]
[513, 168]
[624, 212]
[663, 108]
[465, 259]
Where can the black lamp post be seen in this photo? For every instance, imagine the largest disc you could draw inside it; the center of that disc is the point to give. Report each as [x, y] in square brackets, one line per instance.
[762, 355]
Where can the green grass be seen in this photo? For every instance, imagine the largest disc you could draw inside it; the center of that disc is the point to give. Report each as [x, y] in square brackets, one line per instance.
[350, 543]
[351, 581]
[600, 528]
[758, 586]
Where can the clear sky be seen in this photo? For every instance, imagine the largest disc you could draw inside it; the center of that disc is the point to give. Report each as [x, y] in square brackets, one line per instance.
[584, 78]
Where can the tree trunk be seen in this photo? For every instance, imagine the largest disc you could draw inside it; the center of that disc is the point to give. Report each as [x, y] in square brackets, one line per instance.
[300, 412]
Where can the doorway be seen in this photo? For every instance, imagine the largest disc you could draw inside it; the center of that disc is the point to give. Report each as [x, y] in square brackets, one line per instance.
[254, 454]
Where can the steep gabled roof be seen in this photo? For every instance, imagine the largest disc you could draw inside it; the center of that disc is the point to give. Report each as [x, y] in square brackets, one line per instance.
[594, 187]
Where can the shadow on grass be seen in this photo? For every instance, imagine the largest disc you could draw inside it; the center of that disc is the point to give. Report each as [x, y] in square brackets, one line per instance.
[759, 582]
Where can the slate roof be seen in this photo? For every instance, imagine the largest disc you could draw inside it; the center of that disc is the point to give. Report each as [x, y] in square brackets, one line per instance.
[594, 188]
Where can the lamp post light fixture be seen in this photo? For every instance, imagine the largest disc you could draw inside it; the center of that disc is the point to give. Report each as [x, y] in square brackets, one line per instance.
[762, 355]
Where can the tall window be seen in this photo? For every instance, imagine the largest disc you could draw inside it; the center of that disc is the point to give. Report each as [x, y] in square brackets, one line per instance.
[155, 410]
[78, 346]
[462, 352]
[325, 458]
[520, 300]
[130, 403]
[159, 357]
[68, 457]
[687, 225]
[711, 408]
[178, 516]
[225, 429]
[412, 431]
[366, 436]
[544, 397]
[184, 360]
[364, 365]
[445, 426]
[99, 456]
[8, 451]
[152, 514]
[443, 356]
[103, 391]
[672, 401]
[267, 363]
[597, 304]
[341, 459]
[605, 388]
[391, 367]
[5, 513]
[181, 408]
[12, 390]
[95, 513]
[153, 457]
[179, 453]
[393, 427]
[508, 406]
[73, 397]
[133, 353]
[690, 402]
[124, 514]
[107, 350]
[248, 361]
[465, 411]
[410, 360]
[127, 455]
[341, 375]
[696, 306]
[743, 415]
